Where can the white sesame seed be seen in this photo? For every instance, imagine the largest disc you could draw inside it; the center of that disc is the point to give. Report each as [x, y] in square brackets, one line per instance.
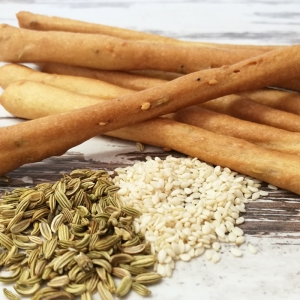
[208, 254]
[239, 220]
[252, 249]
[161, 269]
[236, 252]
[168, 260]
[272, 187]
[185, 257]
[232, 237]
[237, 231]
[216, 257]
[263, 193]
[199, 251]
[240, 240]
[220, 232]
[169, 270]
[161, 256]
[216, 246]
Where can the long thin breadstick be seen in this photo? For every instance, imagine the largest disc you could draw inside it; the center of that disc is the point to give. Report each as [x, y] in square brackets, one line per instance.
[259, 134]
[55, 134]
[107, 53]
[278, 99]
[85, 86]
[41, 22]
[276, 168]
[35, 101]
[247, 109]
[123, 79]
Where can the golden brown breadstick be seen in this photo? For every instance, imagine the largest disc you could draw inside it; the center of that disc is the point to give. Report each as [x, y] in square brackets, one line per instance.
[107, 53]
[278, 99]
[80, 85]
[41, 22]
[32, 100]
[247, 109]
[276, 168]
[36, 101]
[55, 134]
[239, 155]
[123, 79]
[292, 85]
[259, 134]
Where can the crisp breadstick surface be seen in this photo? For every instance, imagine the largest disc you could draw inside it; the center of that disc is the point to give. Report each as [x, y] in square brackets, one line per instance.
[107, 53]
[259, 134]
[32, 100]
[85, 86]
[282, 100]
[293, 85]
[246, 109]
[55, 134]
[123, 79]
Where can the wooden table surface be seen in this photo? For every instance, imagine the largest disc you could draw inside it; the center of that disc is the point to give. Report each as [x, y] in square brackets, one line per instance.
[272, 223]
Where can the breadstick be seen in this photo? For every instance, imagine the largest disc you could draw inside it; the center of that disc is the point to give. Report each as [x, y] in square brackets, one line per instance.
[293, 85]
[277, 168]
[41, 22]
[35, 101]
[57, 133]
[270, 166]
[286, 101]
[259, 134]
[123, 79]
[32, 100]
[247, 109]
[80, 85]
[107, 53]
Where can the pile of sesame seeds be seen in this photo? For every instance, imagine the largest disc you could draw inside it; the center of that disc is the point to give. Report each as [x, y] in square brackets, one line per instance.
[189, 208]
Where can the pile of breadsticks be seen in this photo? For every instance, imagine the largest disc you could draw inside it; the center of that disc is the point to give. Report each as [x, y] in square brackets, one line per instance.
[211, 101]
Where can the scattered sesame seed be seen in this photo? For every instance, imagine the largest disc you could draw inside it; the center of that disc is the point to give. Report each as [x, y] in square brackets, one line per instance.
[236, 252]
[252, 249]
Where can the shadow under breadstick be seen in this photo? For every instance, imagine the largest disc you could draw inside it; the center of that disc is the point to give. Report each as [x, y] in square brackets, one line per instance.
[282, 100]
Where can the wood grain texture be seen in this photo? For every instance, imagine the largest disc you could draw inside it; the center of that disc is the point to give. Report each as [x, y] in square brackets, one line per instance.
[276, 213]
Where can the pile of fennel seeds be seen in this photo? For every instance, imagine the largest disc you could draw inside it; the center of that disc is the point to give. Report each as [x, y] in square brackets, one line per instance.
[72, 237]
